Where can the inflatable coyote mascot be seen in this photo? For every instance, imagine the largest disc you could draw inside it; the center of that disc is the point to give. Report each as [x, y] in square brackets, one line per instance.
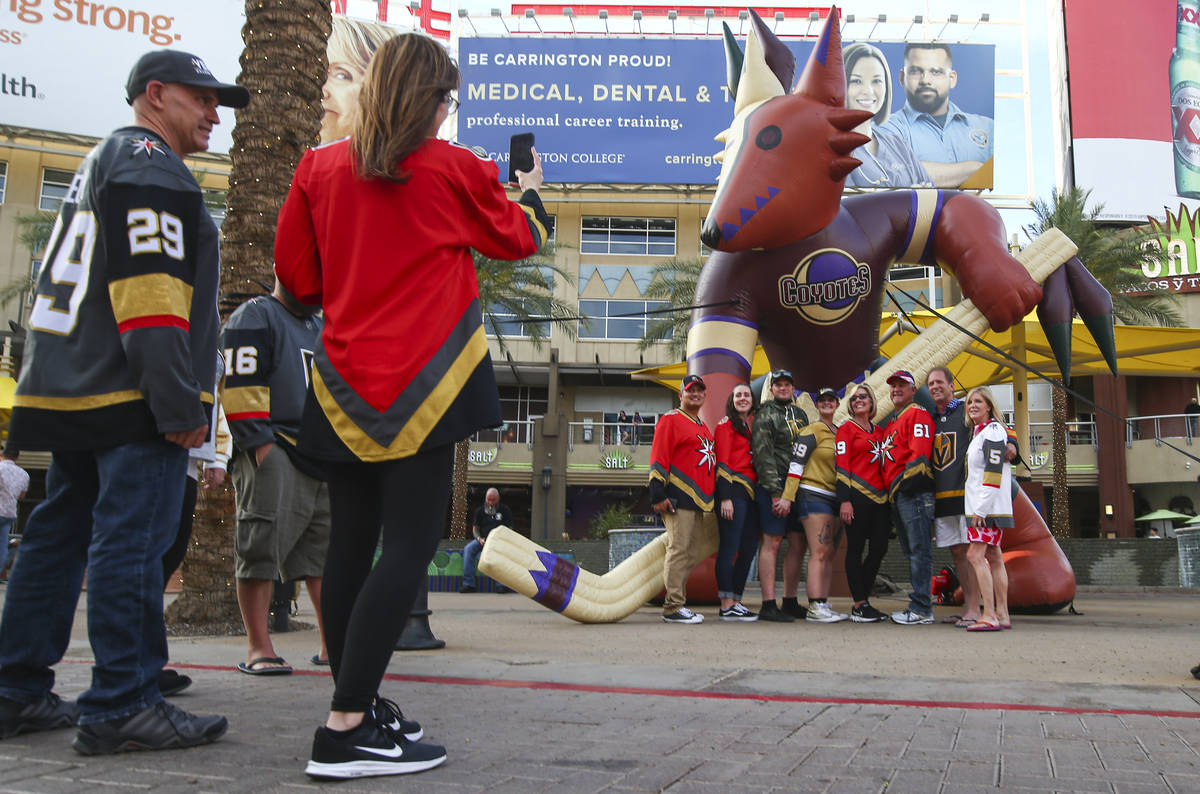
[801, 271]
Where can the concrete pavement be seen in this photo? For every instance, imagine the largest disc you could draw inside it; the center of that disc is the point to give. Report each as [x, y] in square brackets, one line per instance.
[527, 701]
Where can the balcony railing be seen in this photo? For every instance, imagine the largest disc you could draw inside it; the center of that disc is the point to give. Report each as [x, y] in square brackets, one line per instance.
[609, 433]
[1161, 426]
[512, 432]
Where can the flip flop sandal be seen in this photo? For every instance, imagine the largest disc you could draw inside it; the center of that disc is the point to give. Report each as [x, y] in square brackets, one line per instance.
[953, 619]
[317, 660]
[281, 668]
[965, 623]
[981, 625]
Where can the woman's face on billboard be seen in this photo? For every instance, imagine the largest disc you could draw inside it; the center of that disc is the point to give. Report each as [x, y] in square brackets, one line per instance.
[339, 99]
[866, 87]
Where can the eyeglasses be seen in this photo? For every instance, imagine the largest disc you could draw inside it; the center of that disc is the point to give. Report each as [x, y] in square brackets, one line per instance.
[451, 102]
[860, 398]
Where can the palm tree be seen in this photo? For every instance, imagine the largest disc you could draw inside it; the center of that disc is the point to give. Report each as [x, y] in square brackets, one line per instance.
[34, 234]
[1115, 257]
[674, 283]
[520, 295]
[283, 66]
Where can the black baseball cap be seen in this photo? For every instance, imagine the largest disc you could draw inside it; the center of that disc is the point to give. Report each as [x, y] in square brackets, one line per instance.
[691, 380]
[177, 66]
[781, 374]
[826, 392]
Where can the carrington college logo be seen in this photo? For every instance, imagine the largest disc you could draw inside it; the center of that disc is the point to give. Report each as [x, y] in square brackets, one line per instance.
[826, 286]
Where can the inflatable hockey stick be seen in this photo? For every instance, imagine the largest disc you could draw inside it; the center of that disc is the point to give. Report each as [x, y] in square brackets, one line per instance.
[938, 344]
[520, 564]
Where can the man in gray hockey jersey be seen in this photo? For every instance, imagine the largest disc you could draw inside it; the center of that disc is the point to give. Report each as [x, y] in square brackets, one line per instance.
[282, 502]
[118, 384]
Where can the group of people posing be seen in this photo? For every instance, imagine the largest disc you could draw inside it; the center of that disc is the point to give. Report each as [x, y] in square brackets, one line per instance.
[768, 472]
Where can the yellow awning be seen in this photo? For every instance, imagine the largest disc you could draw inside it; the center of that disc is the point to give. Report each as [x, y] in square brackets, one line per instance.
[1141, 350]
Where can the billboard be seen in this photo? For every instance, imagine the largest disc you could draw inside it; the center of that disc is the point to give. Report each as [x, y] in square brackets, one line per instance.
[1125, 93]
[63, 63]
[632, 110]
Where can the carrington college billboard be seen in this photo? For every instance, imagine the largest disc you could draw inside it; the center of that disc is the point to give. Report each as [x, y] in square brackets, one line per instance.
[633, 110]
[63, 63]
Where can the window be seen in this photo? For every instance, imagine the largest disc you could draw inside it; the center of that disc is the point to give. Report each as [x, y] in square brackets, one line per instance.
[632, 236]
[904, 272]
[616, 319]
[3, 179]
[55, 184]
[502, 320]
[214, 202]
[519, 405]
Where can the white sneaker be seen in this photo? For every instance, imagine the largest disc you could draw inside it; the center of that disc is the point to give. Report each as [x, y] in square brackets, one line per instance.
[821, 612]
[683, 615]
[908, 617]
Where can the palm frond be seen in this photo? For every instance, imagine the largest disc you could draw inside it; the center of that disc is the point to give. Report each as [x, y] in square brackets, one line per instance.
[522, 292]
[673, 282]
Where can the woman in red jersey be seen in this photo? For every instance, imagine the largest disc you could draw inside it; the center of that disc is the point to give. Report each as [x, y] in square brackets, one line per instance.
[737, 513]
[378, 230]
[864, 501]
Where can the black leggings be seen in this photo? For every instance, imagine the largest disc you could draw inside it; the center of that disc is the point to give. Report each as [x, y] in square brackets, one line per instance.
[365, 608]
[872, 524]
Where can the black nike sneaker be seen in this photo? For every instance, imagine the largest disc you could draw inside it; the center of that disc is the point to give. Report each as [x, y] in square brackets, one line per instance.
[369, 751]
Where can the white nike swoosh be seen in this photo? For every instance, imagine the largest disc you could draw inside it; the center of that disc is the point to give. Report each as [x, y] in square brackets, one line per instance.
[394, 725]
[394, 752]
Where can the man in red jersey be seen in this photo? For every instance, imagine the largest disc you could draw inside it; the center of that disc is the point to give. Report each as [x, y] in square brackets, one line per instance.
[683, 463]
[908, 444]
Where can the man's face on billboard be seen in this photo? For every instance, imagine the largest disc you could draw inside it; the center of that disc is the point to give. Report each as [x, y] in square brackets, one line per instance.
[928, 79]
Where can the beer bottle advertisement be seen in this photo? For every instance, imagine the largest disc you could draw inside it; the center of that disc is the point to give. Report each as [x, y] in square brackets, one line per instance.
[1185, 99]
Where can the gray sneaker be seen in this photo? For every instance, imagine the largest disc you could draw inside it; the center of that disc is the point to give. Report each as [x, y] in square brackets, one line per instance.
[683, 615]
[45, 714]
[162, 726]
[821, 612]
[911, 618]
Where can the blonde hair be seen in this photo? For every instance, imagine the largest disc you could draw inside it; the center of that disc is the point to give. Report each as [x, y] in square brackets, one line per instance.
[852, 55]
[850, 397]
[354, 41]
[408, 79]
[986, 394]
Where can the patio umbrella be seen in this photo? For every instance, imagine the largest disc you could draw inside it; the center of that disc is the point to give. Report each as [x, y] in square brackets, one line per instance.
[1164, 515]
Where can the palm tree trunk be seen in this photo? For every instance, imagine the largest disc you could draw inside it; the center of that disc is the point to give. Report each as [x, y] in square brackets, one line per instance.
[283, 66]
[1059, 514]
[458, 497]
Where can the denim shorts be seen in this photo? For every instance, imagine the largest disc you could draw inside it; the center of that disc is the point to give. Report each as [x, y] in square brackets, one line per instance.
[811, 502]
[771, 524]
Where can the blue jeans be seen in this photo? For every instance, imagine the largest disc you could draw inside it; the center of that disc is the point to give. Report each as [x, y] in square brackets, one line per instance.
[913, 517]
[114, 513]
[6, 525]
[471, 554]
[739, 541]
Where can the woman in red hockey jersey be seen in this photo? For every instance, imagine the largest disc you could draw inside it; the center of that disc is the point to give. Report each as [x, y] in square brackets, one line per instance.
[378, 230]
[863, 501]
[737, 513]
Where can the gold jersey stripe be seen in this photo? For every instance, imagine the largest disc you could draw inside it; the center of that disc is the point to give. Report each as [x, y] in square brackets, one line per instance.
[532, 216]
[150, 295]
[735, 337]
[76, 403]
[245, 399]
[414, 432]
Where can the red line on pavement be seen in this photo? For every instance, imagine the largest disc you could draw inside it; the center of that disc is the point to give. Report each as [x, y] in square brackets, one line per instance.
[702, 694]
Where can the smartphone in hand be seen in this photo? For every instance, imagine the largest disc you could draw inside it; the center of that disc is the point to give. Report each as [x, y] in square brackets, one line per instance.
[520, 154]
